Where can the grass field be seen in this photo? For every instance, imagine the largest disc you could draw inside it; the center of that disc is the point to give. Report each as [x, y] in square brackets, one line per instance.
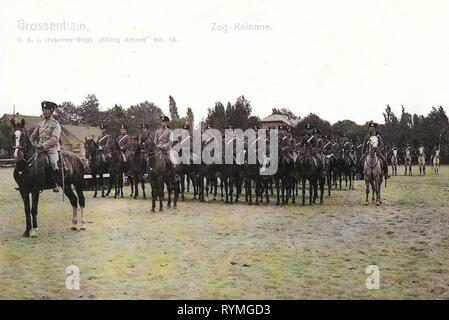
[218, 251]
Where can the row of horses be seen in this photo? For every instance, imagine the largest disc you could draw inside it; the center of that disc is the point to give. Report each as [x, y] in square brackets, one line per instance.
[421, 161]
[296, 167]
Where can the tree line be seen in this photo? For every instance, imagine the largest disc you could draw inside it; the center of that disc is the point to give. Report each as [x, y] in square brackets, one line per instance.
[429, 130]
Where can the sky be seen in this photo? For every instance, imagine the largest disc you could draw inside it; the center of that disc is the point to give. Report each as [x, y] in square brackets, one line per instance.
[338, 59]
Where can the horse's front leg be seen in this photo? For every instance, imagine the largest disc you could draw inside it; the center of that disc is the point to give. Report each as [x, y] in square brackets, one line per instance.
[367, 191]
[34, 209]
[26, 203]
[102, 185]
[94, 181]
[169, 191]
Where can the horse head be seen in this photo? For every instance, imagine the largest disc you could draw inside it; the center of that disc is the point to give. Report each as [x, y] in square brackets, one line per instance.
[373, 144]
[90, 147]
[22, 143]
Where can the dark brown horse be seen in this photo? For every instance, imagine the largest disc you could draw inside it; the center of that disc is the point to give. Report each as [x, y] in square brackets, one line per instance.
[32, 174]
[97, 164]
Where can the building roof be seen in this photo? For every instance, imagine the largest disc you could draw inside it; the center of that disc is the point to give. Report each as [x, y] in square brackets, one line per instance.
[281, 118]
[30, 121]
[78, 133]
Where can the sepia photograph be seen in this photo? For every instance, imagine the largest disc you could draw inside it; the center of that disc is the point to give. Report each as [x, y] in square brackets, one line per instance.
[224, 151]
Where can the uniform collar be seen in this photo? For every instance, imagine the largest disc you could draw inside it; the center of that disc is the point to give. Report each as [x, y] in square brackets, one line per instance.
[49, 118]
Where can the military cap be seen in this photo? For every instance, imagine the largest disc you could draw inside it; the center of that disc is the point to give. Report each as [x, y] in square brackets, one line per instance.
[144, 126]
[187, 127]
[316, 130]
[373, 125]
[103, 126]
[123, 127]
[49, 105]
[308, 127]
[165, 118]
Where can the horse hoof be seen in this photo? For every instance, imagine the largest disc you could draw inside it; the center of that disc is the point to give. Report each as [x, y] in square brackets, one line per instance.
[26, 234]
[33, 233]
[161, 209]
[175, 207]
[103, 196]
[95, 195]
[152, 210]
[144, 197]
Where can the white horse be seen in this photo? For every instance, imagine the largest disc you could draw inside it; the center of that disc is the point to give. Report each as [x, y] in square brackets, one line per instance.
[422, 161]
[408, 162]
[436, 161]
[394, 162]
[373, 171]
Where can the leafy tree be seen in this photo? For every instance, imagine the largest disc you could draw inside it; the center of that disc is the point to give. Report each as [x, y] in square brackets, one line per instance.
[173, 109]
[89, 112]
[6, 139]
[144, 112]
[190, 118]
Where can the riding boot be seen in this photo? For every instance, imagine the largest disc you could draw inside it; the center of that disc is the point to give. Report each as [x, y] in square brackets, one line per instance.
[54, 176]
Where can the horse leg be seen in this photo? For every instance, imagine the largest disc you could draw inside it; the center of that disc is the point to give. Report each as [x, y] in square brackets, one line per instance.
[303, 191]
[135, 186]
[277, 191]
[182, 185]
[82, 204]
[379, 186]
[215, 188]
[121, 185]
[94, 181]
[26, 203]
[231, 190]
[74, 202]
[160, 189]
[322, 182]
[367, 190]
[153, 197]
[310, 192]
[169, 191]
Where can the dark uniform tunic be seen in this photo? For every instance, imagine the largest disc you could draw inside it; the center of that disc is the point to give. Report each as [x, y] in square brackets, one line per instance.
[124, 142]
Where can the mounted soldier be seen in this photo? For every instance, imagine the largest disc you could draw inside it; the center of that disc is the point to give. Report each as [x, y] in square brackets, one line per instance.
[163, 140]
[124, 143]
[102, 143]
[365, 150]
[46, 138]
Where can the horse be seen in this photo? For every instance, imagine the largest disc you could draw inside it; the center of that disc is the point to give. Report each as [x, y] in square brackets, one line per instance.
[139, 166]
[97, 163]
[31, 173]
[308, 167]
[394, 162]
[408, 162]
[422, 161]
[436, 161]
[160, 174]
[372, 169]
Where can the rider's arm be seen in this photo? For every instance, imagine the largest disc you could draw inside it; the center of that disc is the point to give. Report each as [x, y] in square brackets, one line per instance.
[34, 136]
[53, 141]
[167, 144]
